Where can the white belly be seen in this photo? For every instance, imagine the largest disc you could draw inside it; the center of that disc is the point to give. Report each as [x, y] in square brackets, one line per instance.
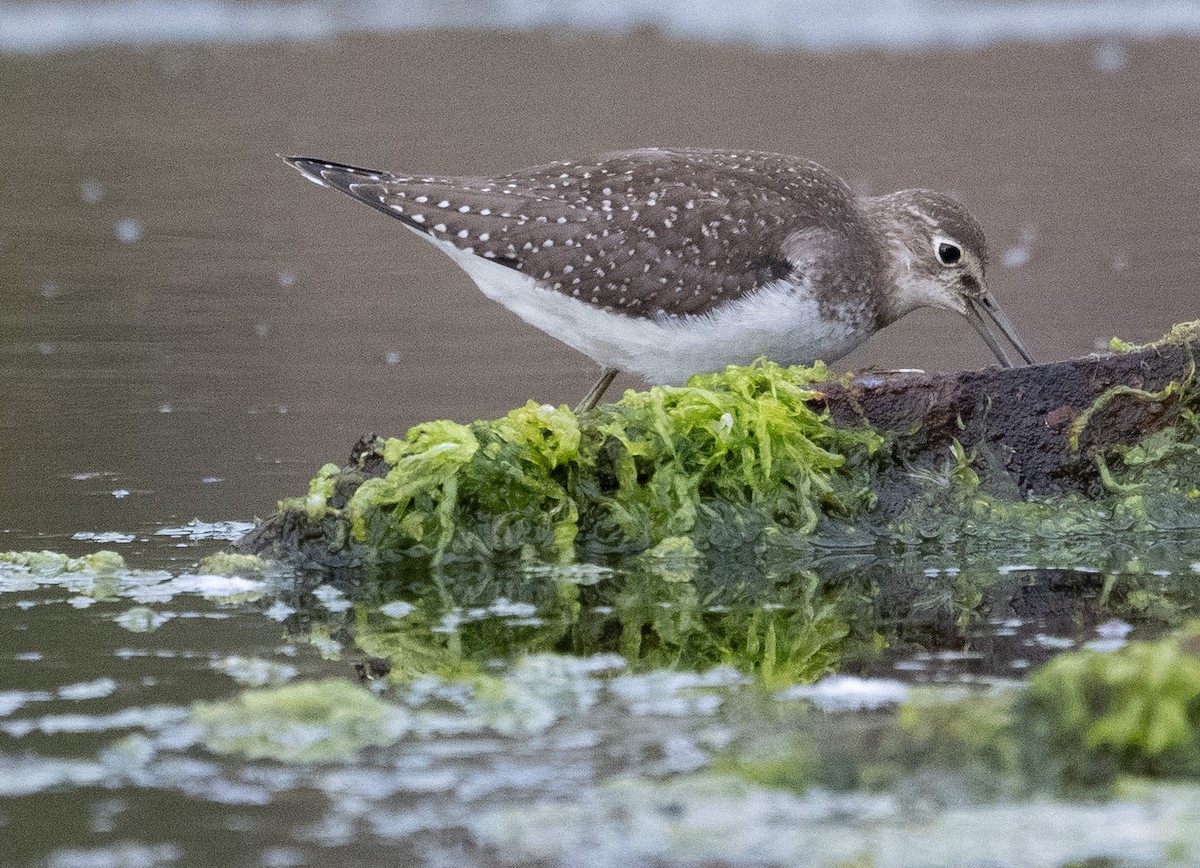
[780, 321]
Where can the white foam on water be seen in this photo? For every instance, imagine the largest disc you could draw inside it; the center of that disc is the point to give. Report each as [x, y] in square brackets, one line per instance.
[205, 530]
[14, 700]
[850, 693]
[216, 587]
[97, 689]
[396, 609]
[105, 537]
[898, 25]
[333, 598]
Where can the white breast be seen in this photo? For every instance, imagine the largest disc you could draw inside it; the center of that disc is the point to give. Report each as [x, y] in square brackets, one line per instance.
[781, 321]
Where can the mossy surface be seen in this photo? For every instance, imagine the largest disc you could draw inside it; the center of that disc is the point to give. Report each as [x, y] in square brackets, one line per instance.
[743, 448]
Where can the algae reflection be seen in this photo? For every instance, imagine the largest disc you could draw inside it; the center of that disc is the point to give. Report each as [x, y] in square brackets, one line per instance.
[675, 609]
[667, 611]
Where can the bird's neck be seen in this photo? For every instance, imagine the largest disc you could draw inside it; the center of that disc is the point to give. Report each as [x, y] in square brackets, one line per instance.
[902, 293]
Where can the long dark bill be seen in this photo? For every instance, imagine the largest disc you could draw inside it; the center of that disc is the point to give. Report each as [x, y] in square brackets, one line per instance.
[990, 321]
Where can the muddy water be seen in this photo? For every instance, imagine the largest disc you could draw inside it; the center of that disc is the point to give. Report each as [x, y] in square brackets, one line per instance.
[189, 330]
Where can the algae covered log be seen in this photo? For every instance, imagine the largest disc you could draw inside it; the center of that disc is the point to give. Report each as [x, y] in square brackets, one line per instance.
[1040, 427]
[752, 457]
[734, 452]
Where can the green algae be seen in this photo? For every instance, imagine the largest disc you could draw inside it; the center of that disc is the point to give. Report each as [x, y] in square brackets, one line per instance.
[1180, 333]
[98, 576]
[1083, 724]
[966, 743]
[310, 721]
[1136, 709]
[625, 478]
[1166, 393]
[234, 564]
[1147, 489]
[745, 437]
[101, 563]
[1087, 718]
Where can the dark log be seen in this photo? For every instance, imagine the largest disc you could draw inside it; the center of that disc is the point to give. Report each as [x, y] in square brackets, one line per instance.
[1035, 429]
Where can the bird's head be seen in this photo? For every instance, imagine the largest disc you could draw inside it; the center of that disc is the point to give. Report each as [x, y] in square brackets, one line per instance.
[938, 258]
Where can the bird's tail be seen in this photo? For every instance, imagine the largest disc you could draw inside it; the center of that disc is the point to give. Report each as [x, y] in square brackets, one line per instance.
[337, 176]
[369, 186]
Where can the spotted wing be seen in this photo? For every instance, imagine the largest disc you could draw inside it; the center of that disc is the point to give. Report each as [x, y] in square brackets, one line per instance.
[649, 233]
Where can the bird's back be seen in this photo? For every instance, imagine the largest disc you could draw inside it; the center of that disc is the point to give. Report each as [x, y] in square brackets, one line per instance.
[647, 233]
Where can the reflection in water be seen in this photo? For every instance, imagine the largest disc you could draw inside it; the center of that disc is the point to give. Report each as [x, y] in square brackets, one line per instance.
[488, 699]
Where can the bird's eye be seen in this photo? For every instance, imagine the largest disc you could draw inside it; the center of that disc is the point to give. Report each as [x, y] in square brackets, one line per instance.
[948, 253]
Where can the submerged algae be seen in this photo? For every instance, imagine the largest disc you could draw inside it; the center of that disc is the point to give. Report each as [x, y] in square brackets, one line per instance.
[103, 562]
[782, 626]
[1137, 709]
[935, 748]
[1146, 489]
[1081, 724]
[708, 820]
[310, 721]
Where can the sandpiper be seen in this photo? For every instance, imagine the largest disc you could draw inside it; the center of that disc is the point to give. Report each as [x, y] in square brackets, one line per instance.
[667, 262]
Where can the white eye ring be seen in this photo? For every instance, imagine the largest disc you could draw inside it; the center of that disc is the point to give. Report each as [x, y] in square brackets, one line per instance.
[948, 253]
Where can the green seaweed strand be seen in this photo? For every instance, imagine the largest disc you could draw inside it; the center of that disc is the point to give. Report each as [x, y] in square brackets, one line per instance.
[637, 473]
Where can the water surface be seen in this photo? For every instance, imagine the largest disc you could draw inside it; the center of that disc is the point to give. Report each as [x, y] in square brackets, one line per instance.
[189, 331]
